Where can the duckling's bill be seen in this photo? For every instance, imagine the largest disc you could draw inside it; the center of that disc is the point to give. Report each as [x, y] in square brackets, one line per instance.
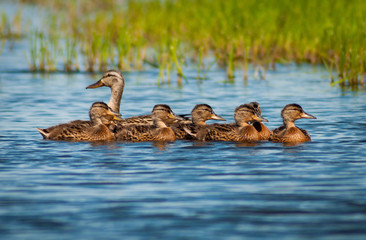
[217, 117]
[116, 116]
[307, 115]
[259, 119]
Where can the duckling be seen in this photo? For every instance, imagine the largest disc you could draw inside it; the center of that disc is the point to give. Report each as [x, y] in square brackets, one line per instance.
[240, 131]
[200, 114]
[94, 130]
[159, 131]
[262, 129]
[289, 133]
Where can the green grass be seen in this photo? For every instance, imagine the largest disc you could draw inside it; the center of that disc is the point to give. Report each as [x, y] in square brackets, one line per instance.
[10, 28]
[234, 34]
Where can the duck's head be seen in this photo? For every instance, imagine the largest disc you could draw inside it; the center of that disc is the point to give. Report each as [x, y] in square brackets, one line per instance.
[246, 113]
[100, 113]
[203, 112]
[257, 109]
[293, 111]
[163, 113]
[110, 79]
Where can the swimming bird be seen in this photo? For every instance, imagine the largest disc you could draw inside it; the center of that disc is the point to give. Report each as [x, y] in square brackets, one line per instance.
[288, 132]
[94, 130]
[200, 114]
[262, 129]
[240, 131]
[159, 131]
[115, 80]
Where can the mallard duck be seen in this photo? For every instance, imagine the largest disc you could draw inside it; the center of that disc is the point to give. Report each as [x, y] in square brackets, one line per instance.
[262, 129]
[115, 80]
[159, 131]
[200, 114]
[94, 130]
[289, 133]
[240, 131]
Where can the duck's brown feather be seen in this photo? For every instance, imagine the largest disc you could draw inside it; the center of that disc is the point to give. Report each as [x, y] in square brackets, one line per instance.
[143, 133]
[227, 132]
[181, 133]
[293, 134]
[263, 130]
[78, 130]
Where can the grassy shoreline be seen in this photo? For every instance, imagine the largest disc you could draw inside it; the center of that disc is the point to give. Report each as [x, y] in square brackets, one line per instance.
[231, 34]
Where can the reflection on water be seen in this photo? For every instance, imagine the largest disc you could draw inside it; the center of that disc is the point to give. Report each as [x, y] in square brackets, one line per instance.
[183, 189]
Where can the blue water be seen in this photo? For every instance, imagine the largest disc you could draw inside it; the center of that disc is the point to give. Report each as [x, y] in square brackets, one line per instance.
[182, 190]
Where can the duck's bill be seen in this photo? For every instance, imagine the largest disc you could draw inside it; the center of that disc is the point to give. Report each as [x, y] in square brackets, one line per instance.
[116, 116]
[173, 116]
[306, 115]
[217, 117]
[96, 85]
[116, 113]
[260, 119]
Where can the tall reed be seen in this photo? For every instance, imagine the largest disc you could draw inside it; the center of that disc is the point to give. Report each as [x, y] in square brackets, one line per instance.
[237, 34]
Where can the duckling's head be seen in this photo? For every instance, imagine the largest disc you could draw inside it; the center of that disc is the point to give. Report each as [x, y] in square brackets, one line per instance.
[203, 112]
[162, 114]
[111, 78]
[292, 112]
[246, 113]
[100, 113]
[257, 109]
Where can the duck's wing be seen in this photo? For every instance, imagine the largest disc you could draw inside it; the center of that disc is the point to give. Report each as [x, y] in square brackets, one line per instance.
[138, 120]
[218, 132]
[65, 131]
[306, 134]
[135, 133]
[184, 131]
[277, 134]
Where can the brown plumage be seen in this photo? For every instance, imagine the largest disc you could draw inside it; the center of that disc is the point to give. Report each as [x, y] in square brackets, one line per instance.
[289, 133]
[115, 80]
[200, 114]
[94, 130]
[240, 131]
[262, 129]
[159, 131]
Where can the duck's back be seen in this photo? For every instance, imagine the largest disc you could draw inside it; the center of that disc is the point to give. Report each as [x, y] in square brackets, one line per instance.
[144, 133]
[217, 132]
[181, 133]
[140, 120]
[72, 124]
[79, 131]
[231, 132]
[135, 133]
